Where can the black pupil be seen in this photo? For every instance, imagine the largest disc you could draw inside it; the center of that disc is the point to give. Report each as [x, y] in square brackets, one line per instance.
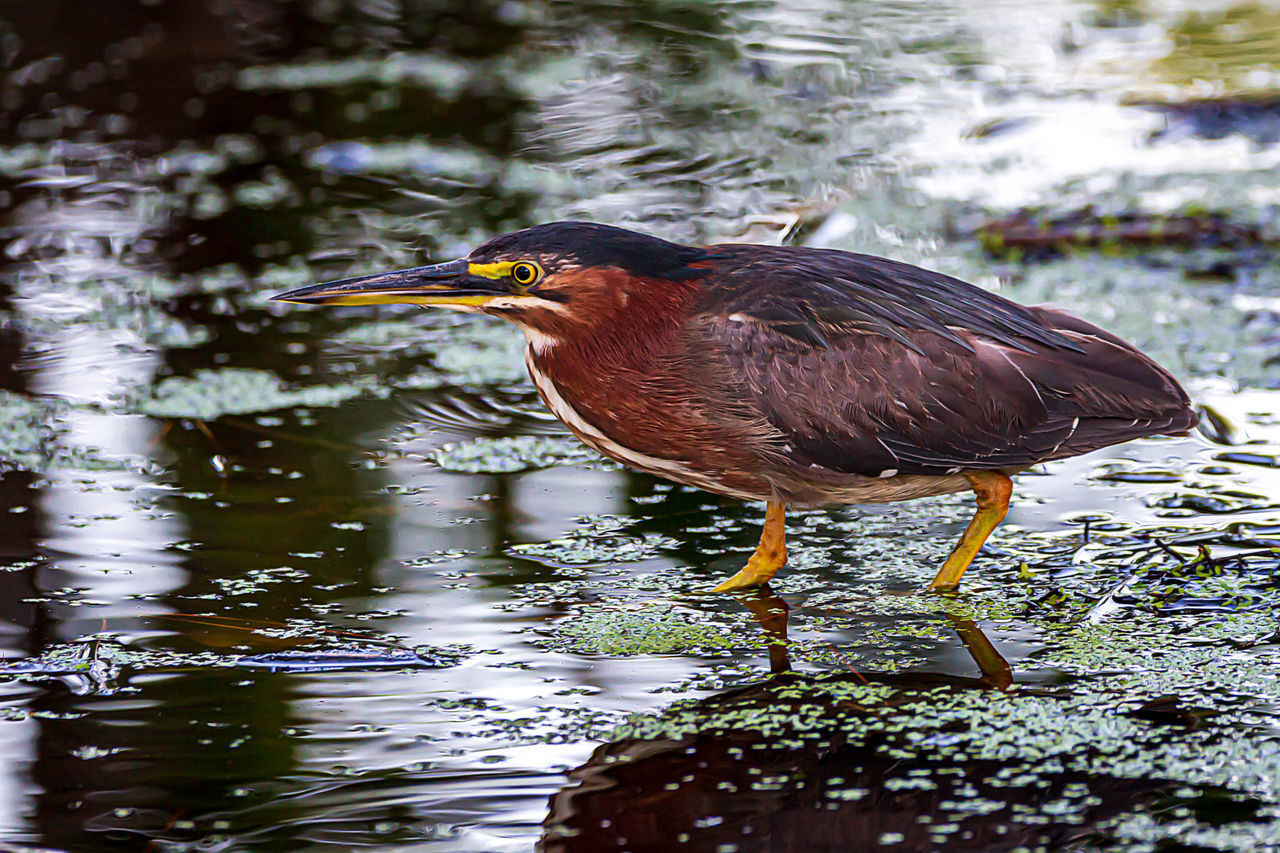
[524, 273]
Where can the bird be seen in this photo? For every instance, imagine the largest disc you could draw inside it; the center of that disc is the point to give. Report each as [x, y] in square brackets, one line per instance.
[792, 375]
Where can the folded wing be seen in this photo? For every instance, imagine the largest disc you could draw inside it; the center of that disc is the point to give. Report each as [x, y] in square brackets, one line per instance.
[940, 378]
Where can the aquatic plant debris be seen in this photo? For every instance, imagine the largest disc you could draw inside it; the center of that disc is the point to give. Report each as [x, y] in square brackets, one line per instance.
[102, 663]
[1028, 236]
[210, 394]
[34, 437]
[1152, 676]
[26, 431]
[650, 629]
[509, 455]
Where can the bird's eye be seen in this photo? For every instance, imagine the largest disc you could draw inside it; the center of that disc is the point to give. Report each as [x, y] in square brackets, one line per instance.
[525, 273]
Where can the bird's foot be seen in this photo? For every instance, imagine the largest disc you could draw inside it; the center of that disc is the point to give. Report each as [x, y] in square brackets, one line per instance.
[770, 555]
[759, 570]
[943, 588]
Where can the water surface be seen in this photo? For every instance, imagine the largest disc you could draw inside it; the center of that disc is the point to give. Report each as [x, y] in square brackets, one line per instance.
[274, 578]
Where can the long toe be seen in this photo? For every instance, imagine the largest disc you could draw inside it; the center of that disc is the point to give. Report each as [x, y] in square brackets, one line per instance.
[744, 579]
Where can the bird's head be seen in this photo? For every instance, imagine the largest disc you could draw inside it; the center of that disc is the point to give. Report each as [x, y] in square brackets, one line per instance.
[559, 280]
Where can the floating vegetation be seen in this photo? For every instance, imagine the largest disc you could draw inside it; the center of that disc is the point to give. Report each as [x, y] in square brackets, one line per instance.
[509, 455]
[483, 353]
[384, 334]
[34, 437]
[223, 692]
[26, 432]
[597, 540]
[585, 549]
[649, 629]
[97, 665]
[210, 394]
[102, 665]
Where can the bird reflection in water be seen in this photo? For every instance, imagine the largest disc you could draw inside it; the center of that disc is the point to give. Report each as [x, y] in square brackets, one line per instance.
[773, 613]
[806, 762]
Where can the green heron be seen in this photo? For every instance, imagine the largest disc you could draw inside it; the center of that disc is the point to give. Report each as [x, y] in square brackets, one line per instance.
[793, 375]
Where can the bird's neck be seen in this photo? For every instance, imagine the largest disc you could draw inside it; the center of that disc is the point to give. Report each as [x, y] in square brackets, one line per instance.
[635, 392]
[628, 328]
[599, 379]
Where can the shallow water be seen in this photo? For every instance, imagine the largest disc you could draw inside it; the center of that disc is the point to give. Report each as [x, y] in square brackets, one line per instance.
[274, 578]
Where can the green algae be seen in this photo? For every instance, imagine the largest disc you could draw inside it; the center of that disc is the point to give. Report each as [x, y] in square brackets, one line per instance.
[483, 352]
[597, 540]
[210, 394]
[590, 550]
[26, 432]
[1219, 665]
[650, 629]
[381, 334]
[418, 69]
[791, 102]
[511, 455]
[34, 437]
[435, 350]
[1190, 629]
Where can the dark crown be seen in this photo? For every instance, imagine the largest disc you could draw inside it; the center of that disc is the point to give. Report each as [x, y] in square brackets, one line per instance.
[590, 245]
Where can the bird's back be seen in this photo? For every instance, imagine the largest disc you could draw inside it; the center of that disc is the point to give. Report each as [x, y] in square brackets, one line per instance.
[871, 367]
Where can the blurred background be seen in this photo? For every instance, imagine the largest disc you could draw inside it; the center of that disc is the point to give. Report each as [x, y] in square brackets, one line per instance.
[280, 579]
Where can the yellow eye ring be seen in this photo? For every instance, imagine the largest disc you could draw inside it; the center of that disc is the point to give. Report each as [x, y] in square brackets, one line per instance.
[525, 273]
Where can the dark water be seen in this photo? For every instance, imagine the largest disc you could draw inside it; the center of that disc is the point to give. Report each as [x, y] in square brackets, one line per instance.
[276, 579]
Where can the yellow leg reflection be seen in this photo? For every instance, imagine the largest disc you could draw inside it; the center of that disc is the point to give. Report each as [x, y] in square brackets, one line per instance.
[770, 554]
[996, 671]
[993, 490]
[772, 612]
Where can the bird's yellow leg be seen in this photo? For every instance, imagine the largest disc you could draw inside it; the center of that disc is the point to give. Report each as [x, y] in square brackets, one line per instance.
[770, 555]
[993, 490]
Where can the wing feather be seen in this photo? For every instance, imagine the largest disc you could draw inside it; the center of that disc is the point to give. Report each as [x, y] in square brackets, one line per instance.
[844, 290]
[866, 385]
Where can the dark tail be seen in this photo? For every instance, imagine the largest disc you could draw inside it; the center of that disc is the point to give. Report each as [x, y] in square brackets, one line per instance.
[1117, 392]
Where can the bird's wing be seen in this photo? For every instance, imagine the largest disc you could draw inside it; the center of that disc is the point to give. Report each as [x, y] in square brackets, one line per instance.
[1026, 385]
[807, 293]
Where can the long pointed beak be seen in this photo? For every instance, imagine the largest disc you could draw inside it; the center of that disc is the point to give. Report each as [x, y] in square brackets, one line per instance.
[449, 284]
